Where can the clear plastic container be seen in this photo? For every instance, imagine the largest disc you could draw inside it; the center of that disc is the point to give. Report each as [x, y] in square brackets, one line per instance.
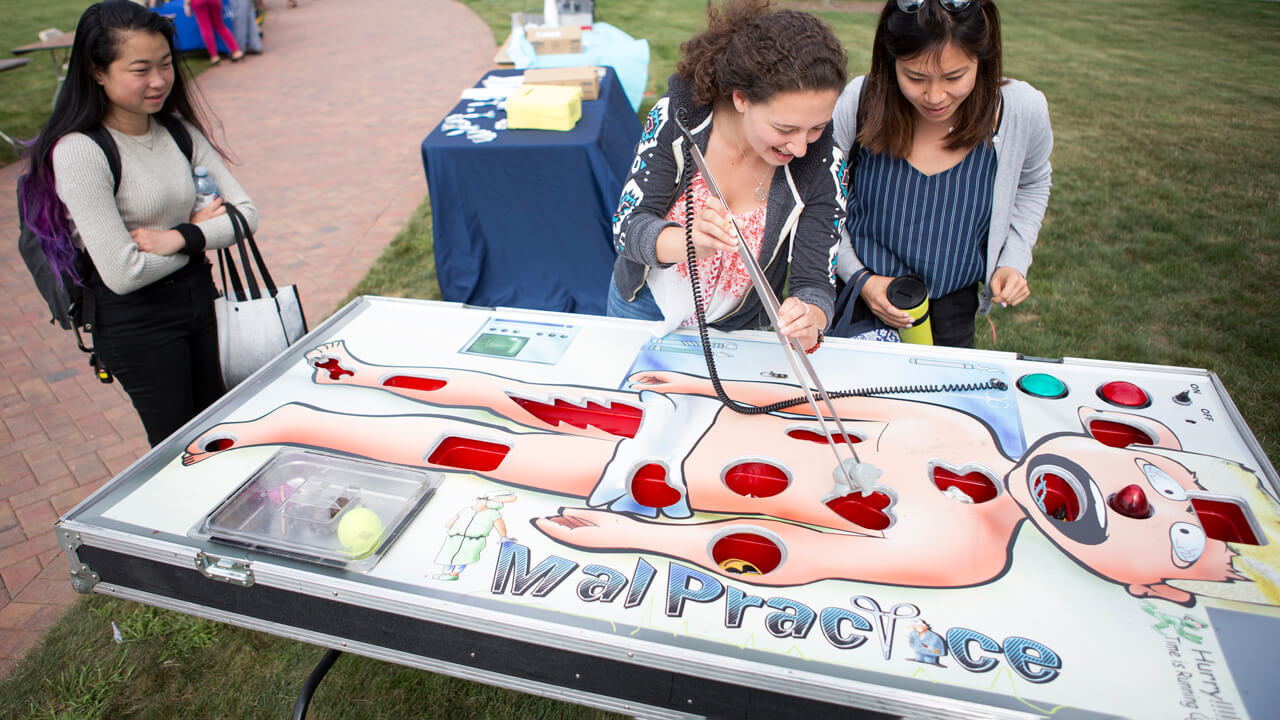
[328, 509]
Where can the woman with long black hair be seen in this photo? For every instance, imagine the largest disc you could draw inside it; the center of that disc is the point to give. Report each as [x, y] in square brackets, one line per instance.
[154, 322]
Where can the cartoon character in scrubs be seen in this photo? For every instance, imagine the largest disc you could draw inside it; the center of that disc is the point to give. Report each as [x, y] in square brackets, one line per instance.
[468, 533]
[928, 645]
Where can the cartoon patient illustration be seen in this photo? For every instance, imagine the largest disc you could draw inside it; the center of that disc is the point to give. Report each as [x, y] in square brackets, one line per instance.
[943, 512]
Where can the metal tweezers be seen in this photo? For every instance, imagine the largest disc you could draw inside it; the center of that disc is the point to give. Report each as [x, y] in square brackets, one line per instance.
[796, 355]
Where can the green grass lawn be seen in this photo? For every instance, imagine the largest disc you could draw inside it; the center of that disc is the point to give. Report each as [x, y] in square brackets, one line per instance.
[1160, 246]
[26, 93]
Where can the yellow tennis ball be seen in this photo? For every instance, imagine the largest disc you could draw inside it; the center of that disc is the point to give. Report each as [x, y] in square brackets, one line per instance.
[359, 530]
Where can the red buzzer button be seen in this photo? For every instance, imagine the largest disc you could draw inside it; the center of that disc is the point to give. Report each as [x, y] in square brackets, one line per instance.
[1125, 394]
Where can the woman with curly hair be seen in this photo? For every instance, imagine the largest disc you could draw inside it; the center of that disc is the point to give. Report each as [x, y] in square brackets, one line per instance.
[756, 90]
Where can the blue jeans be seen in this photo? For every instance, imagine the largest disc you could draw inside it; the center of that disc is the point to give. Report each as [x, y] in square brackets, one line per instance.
[644, 307]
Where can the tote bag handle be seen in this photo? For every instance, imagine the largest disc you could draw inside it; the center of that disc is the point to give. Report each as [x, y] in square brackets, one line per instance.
[227, 266]
[244, 237]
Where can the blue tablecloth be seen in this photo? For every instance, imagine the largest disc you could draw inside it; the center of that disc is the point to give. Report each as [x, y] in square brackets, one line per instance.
[525, 220]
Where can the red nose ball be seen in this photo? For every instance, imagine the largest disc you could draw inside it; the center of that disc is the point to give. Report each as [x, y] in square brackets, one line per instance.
[1131, 502]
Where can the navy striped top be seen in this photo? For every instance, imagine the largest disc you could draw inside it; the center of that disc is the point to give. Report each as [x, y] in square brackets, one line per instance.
[903, 221]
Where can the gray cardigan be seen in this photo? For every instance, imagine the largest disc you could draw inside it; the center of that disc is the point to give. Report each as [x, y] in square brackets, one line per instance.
[806, 205]
[1020, 195]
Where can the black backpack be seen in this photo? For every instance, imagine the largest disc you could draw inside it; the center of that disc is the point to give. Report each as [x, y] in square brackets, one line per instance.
[70, 305]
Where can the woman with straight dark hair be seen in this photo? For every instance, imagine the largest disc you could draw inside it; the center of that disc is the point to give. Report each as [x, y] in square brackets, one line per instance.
[951, 172]
[154, 325]
[756, 90]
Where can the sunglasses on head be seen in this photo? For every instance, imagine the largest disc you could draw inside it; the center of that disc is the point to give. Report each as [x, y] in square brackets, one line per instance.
[952, 6]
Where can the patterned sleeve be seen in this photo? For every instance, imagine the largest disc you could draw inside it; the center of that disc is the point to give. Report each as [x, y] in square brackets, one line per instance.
[648, 190]
[845, 122]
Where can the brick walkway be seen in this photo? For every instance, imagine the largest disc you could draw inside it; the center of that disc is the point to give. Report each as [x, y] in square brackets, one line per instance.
[326, 127]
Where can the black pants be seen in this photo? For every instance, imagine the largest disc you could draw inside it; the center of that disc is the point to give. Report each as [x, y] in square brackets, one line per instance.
[952, 317]
[162, 343]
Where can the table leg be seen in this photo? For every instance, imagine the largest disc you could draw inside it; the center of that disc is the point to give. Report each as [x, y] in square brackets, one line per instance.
[313, 682]
[57, 73]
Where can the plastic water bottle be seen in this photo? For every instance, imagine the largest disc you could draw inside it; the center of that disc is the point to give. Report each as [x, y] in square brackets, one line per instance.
[206, 188]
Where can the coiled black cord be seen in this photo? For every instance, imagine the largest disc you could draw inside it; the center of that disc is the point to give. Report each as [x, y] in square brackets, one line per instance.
[734, 405]
[744, 408]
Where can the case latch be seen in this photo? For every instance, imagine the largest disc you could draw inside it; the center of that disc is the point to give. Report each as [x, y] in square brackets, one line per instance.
[229, 570]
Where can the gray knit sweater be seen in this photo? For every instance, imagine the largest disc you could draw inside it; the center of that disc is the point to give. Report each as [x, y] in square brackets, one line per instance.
[156, 192]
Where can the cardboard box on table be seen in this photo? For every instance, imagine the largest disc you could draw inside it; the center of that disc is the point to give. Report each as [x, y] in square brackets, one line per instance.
[544, 107]
[584, 77]
[555, 41]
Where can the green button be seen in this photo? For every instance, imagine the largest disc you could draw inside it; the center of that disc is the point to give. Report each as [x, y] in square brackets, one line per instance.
[1042, 385]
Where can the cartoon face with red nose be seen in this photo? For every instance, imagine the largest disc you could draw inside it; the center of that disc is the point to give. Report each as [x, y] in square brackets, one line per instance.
[1122, 513]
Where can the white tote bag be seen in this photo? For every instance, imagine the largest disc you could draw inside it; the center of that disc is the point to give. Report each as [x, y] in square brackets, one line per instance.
[254, 323]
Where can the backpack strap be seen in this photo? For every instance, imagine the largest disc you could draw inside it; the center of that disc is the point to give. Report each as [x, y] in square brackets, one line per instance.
[99, 135]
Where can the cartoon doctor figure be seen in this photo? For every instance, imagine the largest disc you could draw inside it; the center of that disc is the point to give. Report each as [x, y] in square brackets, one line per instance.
[928, 645]
[468, 533]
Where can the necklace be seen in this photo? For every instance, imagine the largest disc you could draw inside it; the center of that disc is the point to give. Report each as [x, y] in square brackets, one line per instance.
[761, 193]
[146, 140]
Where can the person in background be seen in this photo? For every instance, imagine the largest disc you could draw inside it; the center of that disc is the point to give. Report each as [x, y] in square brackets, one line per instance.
[951, 172]
[244, 26]
[154, 324]
[756, 90]
[208, 14]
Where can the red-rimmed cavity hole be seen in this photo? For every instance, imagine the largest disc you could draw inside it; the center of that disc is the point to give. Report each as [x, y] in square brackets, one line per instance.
[813, 436]
[976, 485]
[1118, 435]
[866, 511]
[468, 454]
[336, 371]
[410, 382]
[1057, 498]
[219, 444]
[746, 554]
[1224, 520]
[756, 479]
[615, 418]
[649, 487]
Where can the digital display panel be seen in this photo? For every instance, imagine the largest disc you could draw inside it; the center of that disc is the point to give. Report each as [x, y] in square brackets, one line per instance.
[506, 346]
